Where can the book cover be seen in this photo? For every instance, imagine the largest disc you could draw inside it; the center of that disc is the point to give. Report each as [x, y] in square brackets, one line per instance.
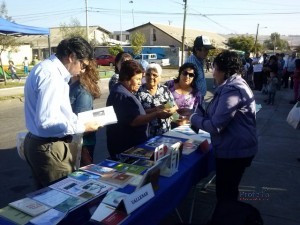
[98, 170]
[108, 163]
[103, 210]
[130, 168]
[97, 187]
[105, 116]
[115, 218]
[14, 215]
[144, 162]
[166, 140]
[83, 176]
[114, 198]
[51, 217]
[29, 206]
[70, 204]
[48, 196]
[138, 153]
[69, 186]
[117, 179]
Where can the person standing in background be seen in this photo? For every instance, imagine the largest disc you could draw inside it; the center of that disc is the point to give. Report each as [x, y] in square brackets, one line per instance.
[201, 47]
[289, 68]
[26, 65]
[120, 57]
[13, 70]
[48, 112]
[258, 62]
[83, 90]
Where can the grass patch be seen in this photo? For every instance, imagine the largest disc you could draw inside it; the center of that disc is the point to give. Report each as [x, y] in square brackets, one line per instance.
[10, 84]
[4, 98]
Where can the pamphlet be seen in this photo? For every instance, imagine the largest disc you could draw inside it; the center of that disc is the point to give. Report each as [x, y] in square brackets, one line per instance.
[105, 116]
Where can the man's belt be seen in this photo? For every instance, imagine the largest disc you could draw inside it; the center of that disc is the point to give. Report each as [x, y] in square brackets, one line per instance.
[67, 138]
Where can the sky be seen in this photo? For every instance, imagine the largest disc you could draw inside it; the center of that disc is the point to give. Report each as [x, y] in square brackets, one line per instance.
[220, 16]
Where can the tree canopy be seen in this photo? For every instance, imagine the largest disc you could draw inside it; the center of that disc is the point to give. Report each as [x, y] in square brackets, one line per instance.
[276, 43]
[137, 40]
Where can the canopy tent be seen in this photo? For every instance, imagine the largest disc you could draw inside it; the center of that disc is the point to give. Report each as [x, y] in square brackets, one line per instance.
[11, 28]
[14, 29]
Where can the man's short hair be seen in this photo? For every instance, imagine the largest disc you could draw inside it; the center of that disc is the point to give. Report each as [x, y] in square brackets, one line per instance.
[76, 45]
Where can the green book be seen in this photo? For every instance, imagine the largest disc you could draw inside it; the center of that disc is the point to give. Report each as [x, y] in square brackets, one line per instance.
[130, 168]
[15, 215]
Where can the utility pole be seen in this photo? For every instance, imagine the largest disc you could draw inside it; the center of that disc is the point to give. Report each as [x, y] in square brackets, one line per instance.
[132, 13]
[121, 21]
[183, 32]
[86, 20]
[256, 38]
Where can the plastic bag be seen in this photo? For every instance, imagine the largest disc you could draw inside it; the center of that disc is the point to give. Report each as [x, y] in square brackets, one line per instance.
[20, 143]
[293, 117]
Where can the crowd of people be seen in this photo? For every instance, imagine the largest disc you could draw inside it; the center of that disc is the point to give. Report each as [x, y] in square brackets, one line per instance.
[66, 84]
[269, 74]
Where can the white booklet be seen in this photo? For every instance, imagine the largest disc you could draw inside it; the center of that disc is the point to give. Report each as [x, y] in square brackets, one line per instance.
[104, 115]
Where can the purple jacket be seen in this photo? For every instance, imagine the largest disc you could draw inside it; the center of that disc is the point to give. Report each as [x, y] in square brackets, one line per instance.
[231, 120]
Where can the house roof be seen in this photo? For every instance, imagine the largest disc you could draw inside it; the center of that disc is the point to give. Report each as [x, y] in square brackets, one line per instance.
[55, 37]
[190, 34]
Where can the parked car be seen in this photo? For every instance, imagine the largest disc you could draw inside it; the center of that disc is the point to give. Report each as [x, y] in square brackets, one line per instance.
[152, 58]
[105, 60]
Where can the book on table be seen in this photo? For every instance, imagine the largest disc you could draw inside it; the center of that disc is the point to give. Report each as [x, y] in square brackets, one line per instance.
[105, 116]
[110, 210]
[190, 146]
[29, 206]
[130, 168]
[137, 152]
[98, 170]
[117, 179]
[14, 215]
[83, 175]
[52, 216]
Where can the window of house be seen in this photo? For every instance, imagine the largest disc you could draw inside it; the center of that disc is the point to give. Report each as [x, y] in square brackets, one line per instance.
[118, 37]
[154, 35]
[127, 37]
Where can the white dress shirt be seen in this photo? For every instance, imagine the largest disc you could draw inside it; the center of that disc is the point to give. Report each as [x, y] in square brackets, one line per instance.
[48, 111]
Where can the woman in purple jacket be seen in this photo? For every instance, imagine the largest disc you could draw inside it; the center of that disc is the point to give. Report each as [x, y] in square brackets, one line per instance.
[230, 118]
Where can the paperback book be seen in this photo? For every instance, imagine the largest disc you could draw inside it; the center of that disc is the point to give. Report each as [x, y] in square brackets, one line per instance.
[190, 146]
[29, 206]
[130, 168]
[48, 196]
[139, 153]
[83, 176]
[104, 115]
[51, 217]
[117, 179]
[98, 170]
[15, 215]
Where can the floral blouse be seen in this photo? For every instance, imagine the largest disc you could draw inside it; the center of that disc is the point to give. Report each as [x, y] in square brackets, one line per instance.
[189, 101]
[162, 96]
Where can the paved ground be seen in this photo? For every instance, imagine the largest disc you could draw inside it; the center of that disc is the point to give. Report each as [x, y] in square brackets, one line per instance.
[272, 182]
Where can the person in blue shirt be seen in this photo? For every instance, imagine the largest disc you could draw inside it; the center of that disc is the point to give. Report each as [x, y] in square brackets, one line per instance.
[48, 113]
[201, 48]
[83, 90]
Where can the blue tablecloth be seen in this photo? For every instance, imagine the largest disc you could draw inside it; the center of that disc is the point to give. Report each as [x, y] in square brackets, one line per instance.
[172, 190]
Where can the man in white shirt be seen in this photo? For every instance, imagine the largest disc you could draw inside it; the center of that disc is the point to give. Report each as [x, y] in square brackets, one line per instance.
[257, 63]
[48, 113]
[289, 68]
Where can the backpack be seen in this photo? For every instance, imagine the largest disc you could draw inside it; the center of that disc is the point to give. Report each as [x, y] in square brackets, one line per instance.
[235, 213]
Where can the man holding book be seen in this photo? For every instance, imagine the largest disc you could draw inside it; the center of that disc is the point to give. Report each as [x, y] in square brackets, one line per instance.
[48, 113]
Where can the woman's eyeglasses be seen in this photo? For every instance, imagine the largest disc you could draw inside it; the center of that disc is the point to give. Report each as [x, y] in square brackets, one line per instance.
[186, 73]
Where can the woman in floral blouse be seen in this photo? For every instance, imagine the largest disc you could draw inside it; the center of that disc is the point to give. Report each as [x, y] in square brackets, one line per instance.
[183, 88]
[155, 96]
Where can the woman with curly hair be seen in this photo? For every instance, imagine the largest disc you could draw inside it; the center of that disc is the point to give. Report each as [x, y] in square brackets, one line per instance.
[230, 118]
[83, 90]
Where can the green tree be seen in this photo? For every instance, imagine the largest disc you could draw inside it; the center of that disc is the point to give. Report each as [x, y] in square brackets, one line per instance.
[137, 40]
[242, 43]
[276, 43]
[114, 50]
[73, 29]
[6, 42]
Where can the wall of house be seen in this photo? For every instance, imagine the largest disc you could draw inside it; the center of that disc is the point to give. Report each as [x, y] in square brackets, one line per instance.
[17, 55]
[156, 37]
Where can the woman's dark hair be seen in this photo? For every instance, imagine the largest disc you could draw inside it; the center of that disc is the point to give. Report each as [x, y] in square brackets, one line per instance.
[77, 45]
[188, 66]
[120, 57]
[297, 63]
[129, 69]
[228, 62]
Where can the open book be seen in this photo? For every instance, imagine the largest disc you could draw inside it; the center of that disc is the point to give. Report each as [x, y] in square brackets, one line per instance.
[104, 115]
